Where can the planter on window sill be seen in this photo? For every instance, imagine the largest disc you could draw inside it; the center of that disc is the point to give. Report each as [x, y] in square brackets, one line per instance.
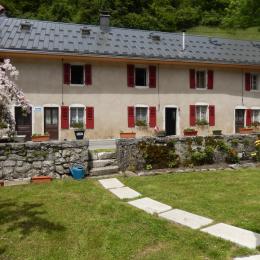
[217, 132]
[41, 179]
[127, 135]
[40, 138]
[190, 132]
[246, 130]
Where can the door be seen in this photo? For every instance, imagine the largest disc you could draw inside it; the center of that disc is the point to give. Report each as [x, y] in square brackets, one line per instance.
[23, 123]
[51, 122]
[170, 121]
[239, 119]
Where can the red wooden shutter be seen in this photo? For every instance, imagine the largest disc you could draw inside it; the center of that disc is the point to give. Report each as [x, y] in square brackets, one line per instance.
[192, 79]
[130, 75]
[88, 74]
[248, 117]
[64, 117]
[152, 116]
[212, 115]
[247, 81]
[192, 115]
[210, 79]
[152, 76]
[131, 117]
[66, 73]
[90, 117]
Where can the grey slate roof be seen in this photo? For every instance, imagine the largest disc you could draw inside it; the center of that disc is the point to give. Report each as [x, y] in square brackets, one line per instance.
[53, 37]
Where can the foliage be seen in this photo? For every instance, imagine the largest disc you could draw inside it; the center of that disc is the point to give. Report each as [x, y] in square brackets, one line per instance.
[201, 157]
[232, 156]
[165, 15]
[10, 95]
[189, 130]
[78, 126]
[202, 122]
[256, 154]
[140, 123]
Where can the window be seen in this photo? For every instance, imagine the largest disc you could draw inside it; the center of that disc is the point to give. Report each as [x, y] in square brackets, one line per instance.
[200, 79]
[77, 74]
[141, 116]
[201, 113]
[76, 115]
[255, 82]
[141, 77]
[256, 116]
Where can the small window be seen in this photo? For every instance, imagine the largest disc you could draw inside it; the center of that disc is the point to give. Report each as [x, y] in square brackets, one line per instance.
[200, 79]
[77, 74]
[76, 115]
[201, 113]
[256, 116]
[140, 77]
[141, 116]
[255, 82]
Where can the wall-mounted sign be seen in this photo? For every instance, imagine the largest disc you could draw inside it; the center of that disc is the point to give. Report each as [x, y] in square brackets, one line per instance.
[37, 109]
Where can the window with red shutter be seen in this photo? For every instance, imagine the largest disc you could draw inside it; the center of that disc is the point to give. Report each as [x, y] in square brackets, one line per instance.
[247, 81]
[192, 115]
[88, 74]
[152, 76]
[248, 117]
[192, 79]
[89, 117]
[66, 73]
[64, 117]
[212, 115]
[131, 117]
[210, 79]
[130, 75]
[152, 116]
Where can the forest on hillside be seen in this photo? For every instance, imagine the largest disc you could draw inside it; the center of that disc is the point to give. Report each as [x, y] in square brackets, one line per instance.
[164, 15]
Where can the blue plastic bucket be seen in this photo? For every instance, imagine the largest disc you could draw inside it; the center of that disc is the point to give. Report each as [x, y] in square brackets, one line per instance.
[77, 172]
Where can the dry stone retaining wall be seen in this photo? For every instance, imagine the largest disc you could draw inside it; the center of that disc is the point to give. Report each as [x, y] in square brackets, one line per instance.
[23, 160]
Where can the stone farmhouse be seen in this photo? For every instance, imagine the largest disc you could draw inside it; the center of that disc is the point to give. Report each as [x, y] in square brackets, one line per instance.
[116, 79]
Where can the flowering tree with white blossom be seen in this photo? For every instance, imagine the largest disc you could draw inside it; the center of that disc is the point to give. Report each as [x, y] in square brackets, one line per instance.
[10, 95]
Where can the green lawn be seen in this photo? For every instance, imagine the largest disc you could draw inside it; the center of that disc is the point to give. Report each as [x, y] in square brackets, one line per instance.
[81, 220]
[252, 33]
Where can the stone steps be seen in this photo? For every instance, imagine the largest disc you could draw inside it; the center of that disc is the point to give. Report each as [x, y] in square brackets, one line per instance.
[103, 171]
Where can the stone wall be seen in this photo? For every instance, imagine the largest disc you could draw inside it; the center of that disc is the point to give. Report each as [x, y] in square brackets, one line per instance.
[171, 152]
[22, 160]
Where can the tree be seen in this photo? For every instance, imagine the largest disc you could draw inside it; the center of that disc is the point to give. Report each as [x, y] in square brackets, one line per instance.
[10, 94]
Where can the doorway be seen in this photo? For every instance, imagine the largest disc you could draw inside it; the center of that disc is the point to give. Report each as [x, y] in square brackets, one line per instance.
[23, 123]
[239, 119]
[170, 120]
[51, 122]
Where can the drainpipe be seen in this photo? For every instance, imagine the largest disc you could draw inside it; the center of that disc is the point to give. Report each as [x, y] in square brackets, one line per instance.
[158, 88]
[62, 64]
[242, 98]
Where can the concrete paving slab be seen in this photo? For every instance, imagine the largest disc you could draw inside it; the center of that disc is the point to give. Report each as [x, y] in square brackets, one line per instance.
[125, 193]
[185, 218]
[150, 206]
[111, 183]
[237, 235]
[253, 257]
[17, 182]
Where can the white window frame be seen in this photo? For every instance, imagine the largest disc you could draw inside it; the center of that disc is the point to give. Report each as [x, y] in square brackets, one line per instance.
[257, 82]
[253, 116]
[147, 76]
[206, 79]
[202, 105]
[84, 76]
[84, 113]
[147, 117]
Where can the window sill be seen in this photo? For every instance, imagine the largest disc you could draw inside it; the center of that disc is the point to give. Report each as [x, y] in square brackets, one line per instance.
[141, 87]
[201, 89]
[77, 85]
[255, 90]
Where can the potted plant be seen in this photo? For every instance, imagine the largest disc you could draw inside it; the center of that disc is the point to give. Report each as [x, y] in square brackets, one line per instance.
[202, 122]
[40, 137]
[190, 132]
[217, 132]
[79, 130]
[246, 130]
[161, 133]
[127, 135]
[141, 124]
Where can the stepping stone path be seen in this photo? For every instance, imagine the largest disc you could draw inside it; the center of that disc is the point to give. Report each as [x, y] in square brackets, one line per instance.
[150, 206]
[185, 218]
[234, 234]
[125, 193]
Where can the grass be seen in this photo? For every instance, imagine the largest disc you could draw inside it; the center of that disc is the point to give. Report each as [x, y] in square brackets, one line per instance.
[81, 220]
[252, 33]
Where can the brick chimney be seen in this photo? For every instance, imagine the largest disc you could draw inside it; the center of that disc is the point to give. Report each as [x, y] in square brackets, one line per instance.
[104, 20]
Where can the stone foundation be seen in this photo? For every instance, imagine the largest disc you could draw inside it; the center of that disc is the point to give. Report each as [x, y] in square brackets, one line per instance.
[23, 160]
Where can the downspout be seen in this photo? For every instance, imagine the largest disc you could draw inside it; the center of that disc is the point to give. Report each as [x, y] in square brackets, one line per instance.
[158, 88]
[242, 98]
[62, 64]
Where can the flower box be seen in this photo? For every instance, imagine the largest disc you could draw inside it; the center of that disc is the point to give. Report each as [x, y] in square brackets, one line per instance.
[217, 132]
[41, 179]
[190, 132]
[40, 138]
[246, 130]
[127, 135]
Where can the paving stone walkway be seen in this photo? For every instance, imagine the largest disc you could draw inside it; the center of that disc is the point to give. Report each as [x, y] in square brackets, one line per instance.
[236, 235]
